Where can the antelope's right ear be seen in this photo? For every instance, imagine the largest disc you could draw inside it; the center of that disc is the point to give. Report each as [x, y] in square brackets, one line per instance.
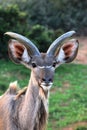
[18, 52]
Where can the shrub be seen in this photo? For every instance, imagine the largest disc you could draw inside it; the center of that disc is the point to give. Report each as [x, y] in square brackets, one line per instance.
[11, 19]
[82, 128]
[42, 36]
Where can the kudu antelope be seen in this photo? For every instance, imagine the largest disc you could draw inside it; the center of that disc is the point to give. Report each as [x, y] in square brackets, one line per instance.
[28, 109]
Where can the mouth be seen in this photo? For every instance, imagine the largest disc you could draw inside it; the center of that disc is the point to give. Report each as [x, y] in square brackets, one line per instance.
[46, 86]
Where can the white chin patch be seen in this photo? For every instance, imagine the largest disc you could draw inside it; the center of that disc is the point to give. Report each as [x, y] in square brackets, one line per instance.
[46, 87]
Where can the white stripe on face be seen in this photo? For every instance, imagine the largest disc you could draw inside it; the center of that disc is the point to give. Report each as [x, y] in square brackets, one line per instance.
[44, 67]
[47, 67]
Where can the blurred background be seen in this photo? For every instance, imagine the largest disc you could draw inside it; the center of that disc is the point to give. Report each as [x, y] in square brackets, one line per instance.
[42, 21]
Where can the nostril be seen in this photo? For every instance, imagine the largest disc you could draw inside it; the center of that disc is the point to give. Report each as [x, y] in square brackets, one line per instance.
[47, 80]
[43, 79]
[50, 80]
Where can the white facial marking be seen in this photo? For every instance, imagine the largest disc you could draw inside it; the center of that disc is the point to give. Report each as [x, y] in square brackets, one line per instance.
[44, 67]
[43, 85]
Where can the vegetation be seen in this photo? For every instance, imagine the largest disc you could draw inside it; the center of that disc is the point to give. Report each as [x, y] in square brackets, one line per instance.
[82, 128]
[68, 96]
[11, 19]
[15, 20]
[55, 14]
[42, 21]
[43, 37]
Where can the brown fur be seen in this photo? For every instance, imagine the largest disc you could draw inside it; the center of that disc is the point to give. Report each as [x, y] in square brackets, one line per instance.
[14, 99]
[27, 109]
[20, 93]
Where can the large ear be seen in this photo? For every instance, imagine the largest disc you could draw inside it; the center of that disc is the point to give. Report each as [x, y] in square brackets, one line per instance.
[67, 52]
[18, 52]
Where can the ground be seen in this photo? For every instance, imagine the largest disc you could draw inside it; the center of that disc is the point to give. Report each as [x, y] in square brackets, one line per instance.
[81, 59]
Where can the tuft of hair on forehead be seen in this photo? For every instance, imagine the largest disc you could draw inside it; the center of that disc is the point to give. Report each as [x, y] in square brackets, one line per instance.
[43, 55]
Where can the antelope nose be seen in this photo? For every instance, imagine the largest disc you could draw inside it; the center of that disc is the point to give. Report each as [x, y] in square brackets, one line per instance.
[47, 80]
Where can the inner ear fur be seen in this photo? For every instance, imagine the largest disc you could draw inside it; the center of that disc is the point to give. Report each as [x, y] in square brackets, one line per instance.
[15, 50]
[67, 52]
[70, 50]
[67, 48]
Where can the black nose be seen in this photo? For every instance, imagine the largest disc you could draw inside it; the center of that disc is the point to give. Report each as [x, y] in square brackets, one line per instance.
[46, 80]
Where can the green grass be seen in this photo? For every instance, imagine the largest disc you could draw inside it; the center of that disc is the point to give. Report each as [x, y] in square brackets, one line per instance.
[68, 96]
[82, 128]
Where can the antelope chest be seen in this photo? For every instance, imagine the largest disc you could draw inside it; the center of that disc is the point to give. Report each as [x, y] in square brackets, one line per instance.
[42, 114]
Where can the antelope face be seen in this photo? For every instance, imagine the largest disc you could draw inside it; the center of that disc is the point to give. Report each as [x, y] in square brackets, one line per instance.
[43, 68]
[23, 51]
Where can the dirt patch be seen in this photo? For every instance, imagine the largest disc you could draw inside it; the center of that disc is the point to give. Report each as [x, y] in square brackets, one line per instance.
[82, 52]
[75, 126]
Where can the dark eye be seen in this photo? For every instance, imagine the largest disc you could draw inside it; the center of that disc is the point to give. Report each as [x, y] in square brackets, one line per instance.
[34, 65]
[54, 64]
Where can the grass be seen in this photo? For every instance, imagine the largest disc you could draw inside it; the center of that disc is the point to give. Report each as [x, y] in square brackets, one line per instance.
[82, 128]
[68, 96]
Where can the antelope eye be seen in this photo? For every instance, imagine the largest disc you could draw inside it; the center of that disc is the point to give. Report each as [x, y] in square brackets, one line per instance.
[34, 65]
[54, 64]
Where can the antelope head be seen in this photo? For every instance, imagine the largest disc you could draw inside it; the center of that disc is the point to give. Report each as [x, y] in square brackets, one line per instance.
[43, 65]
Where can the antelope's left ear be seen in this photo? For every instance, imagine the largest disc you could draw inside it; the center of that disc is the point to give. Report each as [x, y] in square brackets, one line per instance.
[67, 52]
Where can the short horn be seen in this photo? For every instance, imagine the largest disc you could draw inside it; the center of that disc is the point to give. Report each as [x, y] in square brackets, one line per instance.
[58, 42]
[33, 50]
